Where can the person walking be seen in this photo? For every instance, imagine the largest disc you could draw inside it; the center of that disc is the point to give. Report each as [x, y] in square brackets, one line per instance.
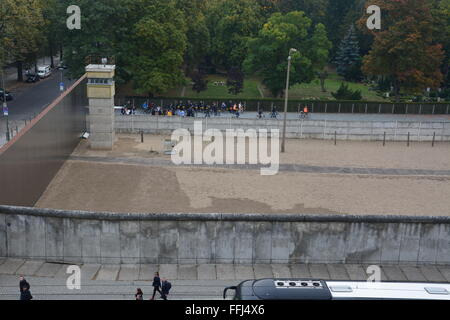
[156, 285]
[165, 288]
[24, 288]
[274, 112]
[260, 114]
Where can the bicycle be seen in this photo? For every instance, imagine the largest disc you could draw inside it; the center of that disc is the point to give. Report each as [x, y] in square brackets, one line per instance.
[304, 115]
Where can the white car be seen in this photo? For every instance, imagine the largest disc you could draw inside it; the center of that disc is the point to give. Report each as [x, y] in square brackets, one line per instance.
[44, 71]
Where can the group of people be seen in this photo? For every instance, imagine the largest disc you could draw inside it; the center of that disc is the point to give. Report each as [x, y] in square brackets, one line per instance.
[186, 109]
[274, 113]
[162, 286]
[200, 109]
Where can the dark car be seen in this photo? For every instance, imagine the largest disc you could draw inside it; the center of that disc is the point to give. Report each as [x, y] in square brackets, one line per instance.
[31, 78]
[4, 94]
[62, 65]
[281, 289]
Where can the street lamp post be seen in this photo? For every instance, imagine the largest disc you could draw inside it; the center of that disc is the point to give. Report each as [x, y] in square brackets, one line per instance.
[5, 106]
[61, 83]
[283, 146]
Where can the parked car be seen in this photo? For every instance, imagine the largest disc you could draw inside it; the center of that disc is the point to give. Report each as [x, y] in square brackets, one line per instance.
[6, 94]
[62, 65]
[31, 78]
[44, 71]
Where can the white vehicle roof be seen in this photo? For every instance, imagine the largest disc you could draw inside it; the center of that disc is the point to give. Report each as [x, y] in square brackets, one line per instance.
[388, 290]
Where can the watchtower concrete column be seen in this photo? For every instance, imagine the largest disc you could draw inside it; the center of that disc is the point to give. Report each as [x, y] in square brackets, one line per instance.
[101, 91]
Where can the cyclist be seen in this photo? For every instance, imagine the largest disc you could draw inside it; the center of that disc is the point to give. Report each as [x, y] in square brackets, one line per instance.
[304, 113]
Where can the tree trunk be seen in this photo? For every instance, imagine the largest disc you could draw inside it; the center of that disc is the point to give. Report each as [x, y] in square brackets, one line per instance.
[19, 71]
[52, 62]
[50, 51]
[322, 84]
[397, 90]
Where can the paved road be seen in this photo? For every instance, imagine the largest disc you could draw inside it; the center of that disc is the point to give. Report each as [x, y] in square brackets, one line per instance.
[332, 116]
[11, 72]
[196, 282]
[29, 100]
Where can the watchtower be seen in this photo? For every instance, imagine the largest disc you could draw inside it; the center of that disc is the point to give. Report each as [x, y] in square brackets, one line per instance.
[101, 91]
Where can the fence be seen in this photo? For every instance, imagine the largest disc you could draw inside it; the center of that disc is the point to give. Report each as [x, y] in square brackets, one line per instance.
[11, 127]
[314, 106]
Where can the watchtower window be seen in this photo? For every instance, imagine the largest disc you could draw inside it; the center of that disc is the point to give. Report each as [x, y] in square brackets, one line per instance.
[100, 81]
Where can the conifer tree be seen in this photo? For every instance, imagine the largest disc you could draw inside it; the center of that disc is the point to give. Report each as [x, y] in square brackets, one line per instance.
[348, 59]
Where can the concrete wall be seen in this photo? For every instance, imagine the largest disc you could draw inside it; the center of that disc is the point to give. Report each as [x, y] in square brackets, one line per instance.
[324, 129]
[112, 238]
[33, 157]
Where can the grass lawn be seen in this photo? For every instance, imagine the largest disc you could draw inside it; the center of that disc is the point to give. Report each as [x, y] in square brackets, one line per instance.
[306, 91]
[219, 91]
[313, 90]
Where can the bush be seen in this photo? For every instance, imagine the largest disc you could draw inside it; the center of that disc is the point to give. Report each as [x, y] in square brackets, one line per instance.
[345, 93]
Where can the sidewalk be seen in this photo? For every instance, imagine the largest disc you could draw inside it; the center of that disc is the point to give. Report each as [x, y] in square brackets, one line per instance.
[193, 282]
[237, 272]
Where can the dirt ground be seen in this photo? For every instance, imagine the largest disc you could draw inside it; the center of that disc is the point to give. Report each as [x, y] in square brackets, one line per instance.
[361, 154]
[121, 187]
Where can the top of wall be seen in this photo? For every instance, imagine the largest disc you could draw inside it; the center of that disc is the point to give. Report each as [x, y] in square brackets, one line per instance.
[111, 216]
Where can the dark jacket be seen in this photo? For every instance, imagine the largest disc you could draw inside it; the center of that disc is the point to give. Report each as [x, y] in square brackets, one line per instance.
[25, 293]
[156, 282]
[166, 286]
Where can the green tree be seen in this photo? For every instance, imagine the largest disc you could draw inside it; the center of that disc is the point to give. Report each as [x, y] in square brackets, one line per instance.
[231, 24]
[339, 15]
[268, 51]
[147, 38]
[235, 81]
[316, 10]
[199, 83]
[319, 52]
[198, 38]
[405, 49]
[441, 14]
[21, 32]
[54, 14]
[158, 43]
[106, 29]
[348, 59]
